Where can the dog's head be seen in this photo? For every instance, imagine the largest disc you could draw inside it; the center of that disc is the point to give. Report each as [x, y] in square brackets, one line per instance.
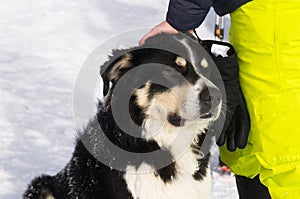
[174, 94]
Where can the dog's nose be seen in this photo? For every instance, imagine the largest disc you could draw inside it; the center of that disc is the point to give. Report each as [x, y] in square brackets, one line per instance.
[209, 99]
[204, 95]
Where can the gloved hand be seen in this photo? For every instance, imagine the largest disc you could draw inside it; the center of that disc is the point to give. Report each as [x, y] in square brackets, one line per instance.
[237, 122]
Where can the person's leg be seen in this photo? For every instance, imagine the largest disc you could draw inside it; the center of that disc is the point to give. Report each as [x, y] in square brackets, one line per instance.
[263, 34]
[251, 188]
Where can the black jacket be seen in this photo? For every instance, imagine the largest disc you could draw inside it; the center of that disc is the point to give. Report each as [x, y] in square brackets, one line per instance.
[189, 14]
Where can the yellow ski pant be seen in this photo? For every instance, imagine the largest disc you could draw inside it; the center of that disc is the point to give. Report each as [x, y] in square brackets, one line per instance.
[266, 36]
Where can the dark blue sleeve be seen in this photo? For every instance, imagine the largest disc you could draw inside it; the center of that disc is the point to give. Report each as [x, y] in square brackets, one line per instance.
[187, 14]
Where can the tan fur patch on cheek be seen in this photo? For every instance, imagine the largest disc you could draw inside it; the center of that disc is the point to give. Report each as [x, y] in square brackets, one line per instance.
[204, 63]
[171, 100]
[125, 62]
[168, 102]
[163, 107]
[162, 104]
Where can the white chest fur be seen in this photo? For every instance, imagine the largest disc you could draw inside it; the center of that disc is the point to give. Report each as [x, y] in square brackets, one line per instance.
[144, 185]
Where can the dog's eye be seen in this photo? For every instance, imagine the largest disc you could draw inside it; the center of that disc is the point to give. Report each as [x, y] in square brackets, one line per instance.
[175, 119]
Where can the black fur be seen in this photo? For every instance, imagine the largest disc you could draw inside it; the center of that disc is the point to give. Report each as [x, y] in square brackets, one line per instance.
[175, 119]
[203, 163]
[87, 178]
[203, 166]
[156, 88]
[41, 187]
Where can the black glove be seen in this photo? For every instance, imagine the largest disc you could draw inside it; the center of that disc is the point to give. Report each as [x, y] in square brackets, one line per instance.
[237, 122]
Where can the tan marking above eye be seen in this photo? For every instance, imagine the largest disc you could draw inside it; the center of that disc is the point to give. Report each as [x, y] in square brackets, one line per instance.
[204, 63]
[180, 61]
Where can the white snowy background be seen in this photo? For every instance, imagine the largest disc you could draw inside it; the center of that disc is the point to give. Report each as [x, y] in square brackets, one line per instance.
[43, 45]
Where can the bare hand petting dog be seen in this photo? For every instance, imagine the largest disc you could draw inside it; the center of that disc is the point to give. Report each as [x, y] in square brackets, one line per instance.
[163, 27]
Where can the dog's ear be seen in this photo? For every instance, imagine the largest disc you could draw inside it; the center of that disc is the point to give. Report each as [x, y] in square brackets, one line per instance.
[112, 70]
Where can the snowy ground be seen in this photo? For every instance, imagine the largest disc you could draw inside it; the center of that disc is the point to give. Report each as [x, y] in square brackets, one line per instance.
[43, 44]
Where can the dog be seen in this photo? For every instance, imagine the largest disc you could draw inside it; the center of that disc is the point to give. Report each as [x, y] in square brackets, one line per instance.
[170, 122]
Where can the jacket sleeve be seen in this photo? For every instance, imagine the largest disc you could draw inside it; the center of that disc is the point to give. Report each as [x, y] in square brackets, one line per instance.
[187, 14]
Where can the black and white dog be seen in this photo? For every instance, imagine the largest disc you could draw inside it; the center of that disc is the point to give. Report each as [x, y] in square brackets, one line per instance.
[173, 121]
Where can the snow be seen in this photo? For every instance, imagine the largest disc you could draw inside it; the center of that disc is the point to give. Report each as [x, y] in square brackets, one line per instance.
[43, 45]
